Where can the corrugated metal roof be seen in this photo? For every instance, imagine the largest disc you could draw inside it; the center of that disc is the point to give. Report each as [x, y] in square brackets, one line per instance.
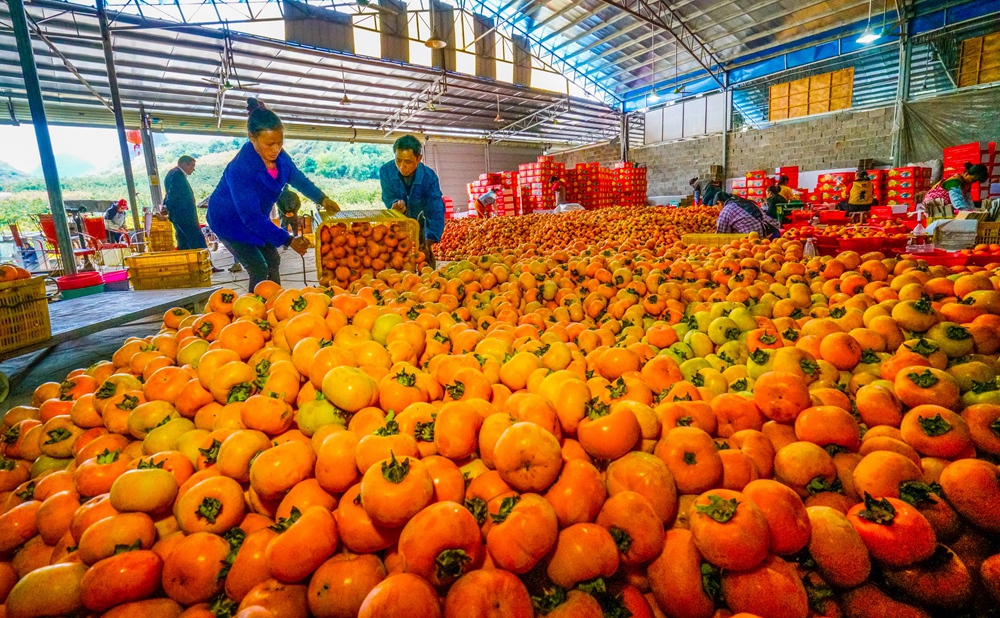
[174, 73]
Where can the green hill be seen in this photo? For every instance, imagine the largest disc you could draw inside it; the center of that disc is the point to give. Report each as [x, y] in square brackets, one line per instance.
[346, 172]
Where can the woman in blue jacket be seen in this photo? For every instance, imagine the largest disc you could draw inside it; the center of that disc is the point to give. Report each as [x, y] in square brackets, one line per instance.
[239, 208]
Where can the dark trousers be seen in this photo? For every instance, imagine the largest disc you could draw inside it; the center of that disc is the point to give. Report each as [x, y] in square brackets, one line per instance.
[261, 263]
[186, 230]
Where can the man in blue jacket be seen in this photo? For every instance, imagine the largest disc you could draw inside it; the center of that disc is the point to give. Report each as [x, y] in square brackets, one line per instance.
[413, 189]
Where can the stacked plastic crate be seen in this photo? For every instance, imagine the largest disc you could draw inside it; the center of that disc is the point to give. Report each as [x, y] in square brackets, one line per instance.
[904, 183]
[880, 185]
[449, 206]
[975, 153]
[537, 192]
[833, 187]
[757, 183]
[740, 187]
[628, 185]
[503, 185]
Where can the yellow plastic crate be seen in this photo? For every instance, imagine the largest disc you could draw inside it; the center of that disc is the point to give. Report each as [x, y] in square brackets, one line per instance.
[170, 269]
[988, 233]
[711, 240]
[363, 225]
[161, 235]
[24, 313]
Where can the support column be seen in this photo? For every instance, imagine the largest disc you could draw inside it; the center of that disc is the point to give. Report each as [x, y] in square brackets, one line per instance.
[116, 103]
[727, 115]
[19, 21]
[902, 90]
[149, 151]
[623, 135]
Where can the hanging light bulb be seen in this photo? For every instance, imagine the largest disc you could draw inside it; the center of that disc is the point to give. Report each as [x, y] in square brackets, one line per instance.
[869, 35]
[434, 41]
[343, 83]
[499, 118]
[653, 98]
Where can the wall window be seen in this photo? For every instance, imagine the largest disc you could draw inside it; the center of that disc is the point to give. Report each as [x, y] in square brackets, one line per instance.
[818, 94]
[980, 60]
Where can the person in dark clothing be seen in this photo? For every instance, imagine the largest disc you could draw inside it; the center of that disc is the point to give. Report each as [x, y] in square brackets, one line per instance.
[288, 210]
[774, 197]
[239, 208]
[114, 222]
[711, 195]
[412, 188]
[180, 205]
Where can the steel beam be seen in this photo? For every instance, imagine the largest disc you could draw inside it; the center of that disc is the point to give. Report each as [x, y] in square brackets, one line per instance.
[149, 152]
[517, 127]
[428, 97]
[116, 103]
[902, 89]
[678, 29]
[19, 22]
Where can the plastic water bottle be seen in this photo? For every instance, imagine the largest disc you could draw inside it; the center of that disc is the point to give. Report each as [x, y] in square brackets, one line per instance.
[810, 249]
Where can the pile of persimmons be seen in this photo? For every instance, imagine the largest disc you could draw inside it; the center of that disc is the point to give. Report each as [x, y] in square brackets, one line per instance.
[655, 430]
[545, 234]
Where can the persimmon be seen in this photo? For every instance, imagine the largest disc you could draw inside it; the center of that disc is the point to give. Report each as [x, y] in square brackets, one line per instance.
[936, 431]
[357, 531]
[786, 595]
[124, 577]
[304, 541]
[676, 576]
[781, 396]
[786, 515]
[972, 487]
[340, 585]
[893, 531]
[527, 457]
[212, 505]
[401, 595]
[393, 491]
[730, 531]
[582, 552]
[692, 458]
[634, 525]
[648, 476]
[484, 593]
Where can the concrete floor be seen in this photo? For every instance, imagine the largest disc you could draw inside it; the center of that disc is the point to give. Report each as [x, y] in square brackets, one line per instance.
[52, 365]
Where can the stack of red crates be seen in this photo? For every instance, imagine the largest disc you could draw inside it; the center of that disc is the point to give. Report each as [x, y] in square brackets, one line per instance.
[740, 187]
[757, 183]
[590, 186]
[628, 185]
[503, 184]
[956, 157]
[833, 187]
[537, 192]
[449, 207]
[904, 183]
[880, 185]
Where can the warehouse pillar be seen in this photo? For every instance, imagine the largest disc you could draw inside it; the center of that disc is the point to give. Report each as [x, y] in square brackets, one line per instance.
[902, 90]
[623, 135]
[149, 151]
[19, 22]
[726, 117]
[116, 103]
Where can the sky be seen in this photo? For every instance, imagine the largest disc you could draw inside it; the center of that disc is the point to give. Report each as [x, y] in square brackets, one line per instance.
[19, 149]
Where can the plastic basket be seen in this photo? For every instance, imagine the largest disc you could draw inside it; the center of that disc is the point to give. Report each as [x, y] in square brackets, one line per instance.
[170, 269]
[833, 216]
[983, 260]
[711, 240]
[24, 313]
[942, 258]
[988, 233]
[332, 268]
[161, 235]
